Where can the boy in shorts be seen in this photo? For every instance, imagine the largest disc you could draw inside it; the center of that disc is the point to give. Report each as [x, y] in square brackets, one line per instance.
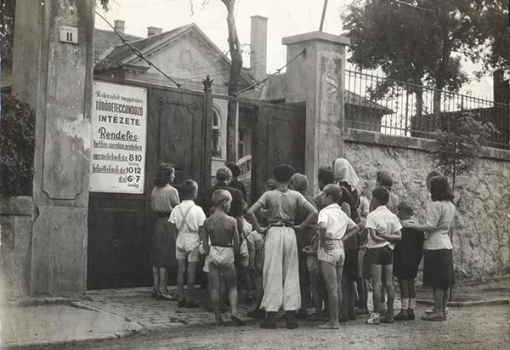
[334, 228]
[406, 259]
[384, 230]
[188, 218]
[221, 231]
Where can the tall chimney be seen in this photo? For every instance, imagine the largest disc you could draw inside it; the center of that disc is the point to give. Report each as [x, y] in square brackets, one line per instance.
[258, 54]
[154, 31]
[119, 25]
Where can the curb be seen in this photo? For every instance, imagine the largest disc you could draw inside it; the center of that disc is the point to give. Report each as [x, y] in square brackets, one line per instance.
[118, 335]
[468, 303]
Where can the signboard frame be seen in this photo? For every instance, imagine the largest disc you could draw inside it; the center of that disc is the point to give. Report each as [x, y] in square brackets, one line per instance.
[118, 110]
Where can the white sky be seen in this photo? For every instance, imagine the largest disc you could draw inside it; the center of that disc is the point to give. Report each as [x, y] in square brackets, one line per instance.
[285, 18]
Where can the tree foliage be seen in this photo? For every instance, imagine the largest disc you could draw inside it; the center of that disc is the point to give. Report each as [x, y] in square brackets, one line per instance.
[17, 142]
[7, 8]
[422, 41]
[456, 151]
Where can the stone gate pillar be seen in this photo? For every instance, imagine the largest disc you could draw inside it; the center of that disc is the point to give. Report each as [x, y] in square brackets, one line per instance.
[318, 79]
[53, 68]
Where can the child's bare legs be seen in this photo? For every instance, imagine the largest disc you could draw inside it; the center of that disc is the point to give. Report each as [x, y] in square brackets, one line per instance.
[191, 281]
[375, 273]
[390, 291]
[163, 276]
[317, 296]
[440, 295]
[231, 280]
[155, 277]
[214, 287]
[404, 298]
[446, 296]
[181, 270]
[332, 276]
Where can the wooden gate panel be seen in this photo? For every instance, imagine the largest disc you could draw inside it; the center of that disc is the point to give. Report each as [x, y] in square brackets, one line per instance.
[279, 138]
[121, 225]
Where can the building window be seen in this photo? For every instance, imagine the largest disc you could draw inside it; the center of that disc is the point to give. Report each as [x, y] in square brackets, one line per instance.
[240, 144]
[216, 135]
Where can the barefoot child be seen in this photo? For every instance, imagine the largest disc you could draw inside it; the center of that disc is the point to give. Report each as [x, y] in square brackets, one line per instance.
[384, 229]
[256, 268]
[406, 259]
[188, 218]
[334, 228]
[281, 276]
[221, 231]
[312, 263]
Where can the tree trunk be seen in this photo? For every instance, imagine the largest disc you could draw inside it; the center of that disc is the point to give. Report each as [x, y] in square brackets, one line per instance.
[233, 85]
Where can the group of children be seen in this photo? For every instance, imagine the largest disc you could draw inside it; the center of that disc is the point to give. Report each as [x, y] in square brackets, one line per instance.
[269, 259]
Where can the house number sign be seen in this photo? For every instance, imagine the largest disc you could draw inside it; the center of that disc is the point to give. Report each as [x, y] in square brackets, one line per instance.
[68, 35]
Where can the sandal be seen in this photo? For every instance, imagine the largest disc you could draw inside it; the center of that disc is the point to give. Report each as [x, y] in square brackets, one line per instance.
[433, 317]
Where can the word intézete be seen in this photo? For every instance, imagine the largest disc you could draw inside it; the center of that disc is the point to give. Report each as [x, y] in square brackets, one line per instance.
[119, 135]
[119, 120]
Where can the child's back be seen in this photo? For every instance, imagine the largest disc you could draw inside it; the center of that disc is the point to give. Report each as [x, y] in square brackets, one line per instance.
[384, 221]
[220, 228]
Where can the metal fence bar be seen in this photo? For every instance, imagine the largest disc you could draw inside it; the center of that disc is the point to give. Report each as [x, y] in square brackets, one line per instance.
[393, 107]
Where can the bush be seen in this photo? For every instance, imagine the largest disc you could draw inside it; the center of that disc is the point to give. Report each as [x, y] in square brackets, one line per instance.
[17, 142]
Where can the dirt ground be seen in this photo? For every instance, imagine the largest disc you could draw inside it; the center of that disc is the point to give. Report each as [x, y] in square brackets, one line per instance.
[477, 327]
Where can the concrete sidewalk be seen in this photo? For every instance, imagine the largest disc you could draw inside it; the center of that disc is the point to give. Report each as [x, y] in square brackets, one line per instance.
[51, 324]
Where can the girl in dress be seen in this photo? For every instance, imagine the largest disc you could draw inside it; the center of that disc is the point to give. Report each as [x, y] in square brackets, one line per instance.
[438, 249]
[164, 198]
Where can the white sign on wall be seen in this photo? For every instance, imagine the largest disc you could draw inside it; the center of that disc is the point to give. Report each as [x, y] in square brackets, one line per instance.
[119, 128]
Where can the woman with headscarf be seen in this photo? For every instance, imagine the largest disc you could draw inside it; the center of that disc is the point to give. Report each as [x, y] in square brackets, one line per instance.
[347, 179]
[299, 183]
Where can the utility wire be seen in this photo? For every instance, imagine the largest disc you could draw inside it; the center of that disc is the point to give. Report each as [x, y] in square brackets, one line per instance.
[277, 72]
[138, 52]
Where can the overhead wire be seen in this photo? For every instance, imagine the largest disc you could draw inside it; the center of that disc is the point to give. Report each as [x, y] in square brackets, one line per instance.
[138, 53]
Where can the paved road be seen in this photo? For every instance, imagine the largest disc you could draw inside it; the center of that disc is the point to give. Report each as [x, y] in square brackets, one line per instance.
[481, 327]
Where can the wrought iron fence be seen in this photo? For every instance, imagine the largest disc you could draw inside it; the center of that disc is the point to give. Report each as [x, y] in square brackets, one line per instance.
[379, 104]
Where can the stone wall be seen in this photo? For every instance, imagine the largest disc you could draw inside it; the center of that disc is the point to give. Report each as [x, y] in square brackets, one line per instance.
[16, 222]
[482, 224]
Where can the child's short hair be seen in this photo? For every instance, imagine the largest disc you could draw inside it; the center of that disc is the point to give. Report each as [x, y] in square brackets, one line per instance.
[269, 185]
[334, 191]
[405, 209]
[283, 172]
[384, 179]
[234, 169]
[381, 195]
[223, 174]
[189, 189]
[326, 175]
[221, 196]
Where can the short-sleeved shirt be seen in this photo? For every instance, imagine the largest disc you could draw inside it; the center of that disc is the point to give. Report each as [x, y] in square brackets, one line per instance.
[164, 199]
[383, 221]
[337, 222]
[281, 206]
[194, 220]
[440, 215]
